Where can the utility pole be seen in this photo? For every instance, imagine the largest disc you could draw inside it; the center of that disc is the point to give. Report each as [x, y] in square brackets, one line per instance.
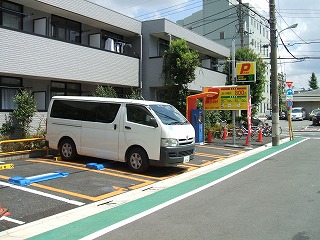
[274, 75]
[240, 16]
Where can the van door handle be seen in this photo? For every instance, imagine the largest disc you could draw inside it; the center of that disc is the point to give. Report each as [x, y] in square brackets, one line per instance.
[127, 127]
[114, 126]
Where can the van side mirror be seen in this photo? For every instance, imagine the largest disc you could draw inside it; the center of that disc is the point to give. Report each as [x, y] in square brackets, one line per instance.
[153, 122]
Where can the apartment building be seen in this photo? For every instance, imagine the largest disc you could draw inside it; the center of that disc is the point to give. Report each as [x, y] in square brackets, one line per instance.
[58, 47]
[218, 21]
[157, 35]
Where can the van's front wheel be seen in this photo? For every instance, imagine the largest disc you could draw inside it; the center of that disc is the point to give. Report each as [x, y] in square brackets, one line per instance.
[138, 160]
[67, 150]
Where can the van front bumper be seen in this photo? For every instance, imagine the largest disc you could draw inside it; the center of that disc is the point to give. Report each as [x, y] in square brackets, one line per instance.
[171, 156]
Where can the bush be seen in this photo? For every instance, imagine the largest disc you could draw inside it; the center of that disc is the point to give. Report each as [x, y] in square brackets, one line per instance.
[22, 116]
[107, 91]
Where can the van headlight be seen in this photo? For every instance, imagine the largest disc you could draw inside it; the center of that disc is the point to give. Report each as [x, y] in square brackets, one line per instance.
[169, 142]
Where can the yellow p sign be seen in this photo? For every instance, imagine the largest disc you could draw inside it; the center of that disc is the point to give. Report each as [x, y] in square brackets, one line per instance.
[246, 72]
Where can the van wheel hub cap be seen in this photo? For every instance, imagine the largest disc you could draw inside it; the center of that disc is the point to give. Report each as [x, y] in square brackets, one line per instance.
[135, 161]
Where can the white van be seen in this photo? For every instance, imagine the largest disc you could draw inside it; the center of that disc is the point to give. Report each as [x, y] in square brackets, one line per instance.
[140, 133]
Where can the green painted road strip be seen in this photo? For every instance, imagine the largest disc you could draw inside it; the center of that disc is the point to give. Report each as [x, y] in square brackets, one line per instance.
[84, 227]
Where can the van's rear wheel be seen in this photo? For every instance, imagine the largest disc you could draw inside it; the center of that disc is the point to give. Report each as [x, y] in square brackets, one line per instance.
[138, 160]
[67, 150]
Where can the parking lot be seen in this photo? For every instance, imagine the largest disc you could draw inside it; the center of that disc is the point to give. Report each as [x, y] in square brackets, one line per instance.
[82, 185]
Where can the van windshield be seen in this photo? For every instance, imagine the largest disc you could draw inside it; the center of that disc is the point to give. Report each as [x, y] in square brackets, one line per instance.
[169, 115]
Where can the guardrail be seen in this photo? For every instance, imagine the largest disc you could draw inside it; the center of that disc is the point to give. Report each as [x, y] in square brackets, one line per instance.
[23, 140]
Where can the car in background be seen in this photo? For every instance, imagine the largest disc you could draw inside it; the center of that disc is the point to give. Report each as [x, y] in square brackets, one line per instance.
[313, 112]
[316, 118]
[298, 113]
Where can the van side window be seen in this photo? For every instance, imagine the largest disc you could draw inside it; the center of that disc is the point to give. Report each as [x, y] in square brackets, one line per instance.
[67, 109]
[85, 111]
[138, 114]
[106, 112]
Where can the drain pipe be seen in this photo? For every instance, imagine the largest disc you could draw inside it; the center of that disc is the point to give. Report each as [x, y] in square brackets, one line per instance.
[140, 65]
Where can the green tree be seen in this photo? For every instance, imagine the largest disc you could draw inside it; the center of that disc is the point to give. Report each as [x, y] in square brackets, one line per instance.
[107, 91]
[256, 88]
[23, 114]
[313, 82]
[179, 65]
[135, 94]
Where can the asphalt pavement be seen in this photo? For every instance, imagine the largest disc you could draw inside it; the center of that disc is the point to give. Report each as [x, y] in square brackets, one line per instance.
[95, 197]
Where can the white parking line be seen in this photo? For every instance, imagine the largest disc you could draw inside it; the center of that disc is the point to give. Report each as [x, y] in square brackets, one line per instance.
[77, 203]
[12, 220]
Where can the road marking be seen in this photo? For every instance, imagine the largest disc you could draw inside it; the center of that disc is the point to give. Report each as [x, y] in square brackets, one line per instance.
[208, 155]
[118, 190]
[92, 170]
[130, 211]
[12, 220]
[77, 203]
[220, 148]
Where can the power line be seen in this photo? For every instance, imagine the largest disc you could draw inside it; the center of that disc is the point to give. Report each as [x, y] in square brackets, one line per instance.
[288, 49]
[250, 9]
[288, 26]
[169, 10]
[201, 20]
[214, 20]
[220, 27]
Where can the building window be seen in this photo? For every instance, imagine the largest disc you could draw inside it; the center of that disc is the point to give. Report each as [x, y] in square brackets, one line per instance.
[9, 88]
[221, 35]
[65, 89]
[65, 29]
[11, 15]
[163, 46]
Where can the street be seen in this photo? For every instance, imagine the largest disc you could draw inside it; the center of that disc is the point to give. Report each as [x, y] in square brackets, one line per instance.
[84, 186]
[275, 199]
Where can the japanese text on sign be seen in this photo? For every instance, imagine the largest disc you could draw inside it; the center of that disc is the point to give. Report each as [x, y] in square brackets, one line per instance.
[228, 98]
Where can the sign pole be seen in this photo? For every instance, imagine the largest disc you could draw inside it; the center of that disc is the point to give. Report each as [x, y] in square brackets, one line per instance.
[289, 103]
[233, 50]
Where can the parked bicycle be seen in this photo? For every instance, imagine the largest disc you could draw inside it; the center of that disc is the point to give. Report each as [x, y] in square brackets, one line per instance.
[267, 130]
[243, 131]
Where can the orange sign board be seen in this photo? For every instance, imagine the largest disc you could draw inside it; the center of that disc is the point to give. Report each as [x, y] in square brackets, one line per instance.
[228, 98]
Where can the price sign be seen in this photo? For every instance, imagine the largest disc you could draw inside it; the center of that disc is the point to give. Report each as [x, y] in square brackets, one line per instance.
[228, 98]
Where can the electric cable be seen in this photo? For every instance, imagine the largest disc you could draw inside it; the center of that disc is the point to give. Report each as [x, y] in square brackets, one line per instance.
[214, 20]
[169, 10]
[288, 49]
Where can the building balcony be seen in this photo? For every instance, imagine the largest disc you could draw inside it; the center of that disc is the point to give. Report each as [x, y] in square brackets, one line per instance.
[204, 77]
[41, 57]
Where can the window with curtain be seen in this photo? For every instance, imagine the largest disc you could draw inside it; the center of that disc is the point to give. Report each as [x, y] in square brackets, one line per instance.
[9, 88]
[11, 14]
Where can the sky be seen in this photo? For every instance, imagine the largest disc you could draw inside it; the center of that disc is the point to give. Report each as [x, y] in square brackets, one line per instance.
[303, 42]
